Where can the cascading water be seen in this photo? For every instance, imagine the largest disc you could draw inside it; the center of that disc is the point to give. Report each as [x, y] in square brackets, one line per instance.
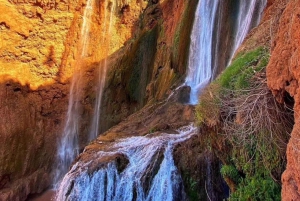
[248, 17]
[68, 147]
[88, 12]
[200, 59]
[150, 174]
[203, 43]
[94, 130]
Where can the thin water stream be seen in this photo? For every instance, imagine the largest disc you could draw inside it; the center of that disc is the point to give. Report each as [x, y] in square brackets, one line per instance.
[249, 16]
[102, 70]
[68, 147]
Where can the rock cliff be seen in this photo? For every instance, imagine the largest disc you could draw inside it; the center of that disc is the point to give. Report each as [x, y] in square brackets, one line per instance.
[32, 100]
[278, 32]
[40, 50]
[146, 52]
[283, 78]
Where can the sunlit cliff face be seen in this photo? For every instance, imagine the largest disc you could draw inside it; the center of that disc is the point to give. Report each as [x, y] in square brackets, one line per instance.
[32, 37]
[40, 41]
[40, 49]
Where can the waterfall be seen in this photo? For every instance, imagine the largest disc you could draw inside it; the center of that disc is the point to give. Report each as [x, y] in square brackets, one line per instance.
[68, 147]
[94, 130]
[150, 174]
[200, 59]
[203, 43]
[87, 16]
[249, 15]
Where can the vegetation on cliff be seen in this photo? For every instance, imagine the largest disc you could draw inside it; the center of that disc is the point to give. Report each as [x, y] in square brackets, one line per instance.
[246, 128]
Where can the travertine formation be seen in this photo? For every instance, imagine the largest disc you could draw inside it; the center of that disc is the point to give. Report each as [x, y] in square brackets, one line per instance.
[147, 55]
[283, 79]
[32, 101]
[40, 51]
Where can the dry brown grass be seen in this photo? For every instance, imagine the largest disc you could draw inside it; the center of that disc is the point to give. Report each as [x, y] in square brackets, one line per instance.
[254, 111]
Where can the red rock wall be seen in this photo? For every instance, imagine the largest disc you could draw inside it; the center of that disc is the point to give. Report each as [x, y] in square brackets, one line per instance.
[283, 75]
[151, 63]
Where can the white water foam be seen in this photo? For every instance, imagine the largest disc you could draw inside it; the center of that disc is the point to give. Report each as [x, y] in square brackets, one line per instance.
[150, 165]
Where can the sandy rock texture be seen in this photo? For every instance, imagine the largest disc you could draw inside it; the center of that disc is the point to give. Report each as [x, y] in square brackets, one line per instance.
[144, 48]
[32, 101]
[283, 78]
[40, 51]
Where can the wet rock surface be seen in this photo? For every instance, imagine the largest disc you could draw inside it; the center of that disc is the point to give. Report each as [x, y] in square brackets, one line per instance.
[38, 50]
[38, 56]
[146, 139]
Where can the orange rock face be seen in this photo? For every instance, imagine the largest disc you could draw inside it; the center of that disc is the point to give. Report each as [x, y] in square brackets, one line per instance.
[32, 40]
[283, 79]
[41, 49]
[32, 102]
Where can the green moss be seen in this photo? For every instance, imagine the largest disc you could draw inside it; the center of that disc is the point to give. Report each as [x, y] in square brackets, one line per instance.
[258, 161]
[255, 156]
[142, 63]
[152, 130]
[231, 172]
[192, 190]
[134, 70]
[191, 187]
[181, 40]
[237, 76]
[257, 188]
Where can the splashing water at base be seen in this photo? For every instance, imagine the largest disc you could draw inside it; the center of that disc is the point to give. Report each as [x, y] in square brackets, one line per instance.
[150, 174]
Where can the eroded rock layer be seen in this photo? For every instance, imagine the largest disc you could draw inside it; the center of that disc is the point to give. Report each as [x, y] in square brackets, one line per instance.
[147, 56]
[283, 78]
[33, 102]
[40, 46]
